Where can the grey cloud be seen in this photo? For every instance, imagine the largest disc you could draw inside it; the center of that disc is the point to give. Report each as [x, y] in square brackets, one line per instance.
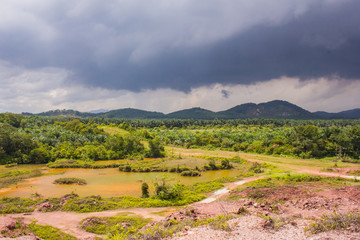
[225, 93]
[137, 45]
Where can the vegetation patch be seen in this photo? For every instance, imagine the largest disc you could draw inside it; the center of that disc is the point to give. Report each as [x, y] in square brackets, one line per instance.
[47, 232]
[113, 225]
[170, 228]
[354, 172]
[210, 186]
[285, 187]
[18, 205]
[12, 176]
[286, 179]
[10, 165]
[167, 165]
[13, 229]
[77, 181]
[89, 204]
[70, 163]
[191, 174]
[336, 221]
[235, 159]
[144, 166]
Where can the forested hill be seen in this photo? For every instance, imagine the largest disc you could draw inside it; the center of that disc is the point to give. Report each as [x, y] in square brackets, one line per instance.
[349, 114]
[272, 109]
[132, 114]
[193, 113]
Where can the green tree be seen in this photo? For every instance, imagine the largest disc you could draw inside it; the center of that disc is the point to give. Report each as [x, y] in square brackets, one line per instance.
[156, 149]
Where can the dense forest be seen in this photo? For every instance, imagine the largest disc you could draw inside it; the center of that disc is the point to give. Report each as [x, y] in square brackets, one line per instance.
[36, 139]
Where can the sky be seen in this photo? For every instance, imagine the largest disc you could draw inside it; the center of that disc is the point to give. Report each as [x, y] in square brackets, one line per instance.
[164, 55]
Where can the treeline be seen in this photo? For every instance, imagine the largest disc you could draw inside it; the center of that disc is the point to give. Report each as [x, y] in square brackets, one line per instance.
[301, 141]
[192, 123]
[43, 139]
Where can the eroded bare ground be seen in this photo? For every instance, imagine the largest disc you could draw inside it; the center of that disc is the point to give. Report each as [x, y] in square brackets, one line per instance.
[292, 208]
[304, 201]
[250, 227]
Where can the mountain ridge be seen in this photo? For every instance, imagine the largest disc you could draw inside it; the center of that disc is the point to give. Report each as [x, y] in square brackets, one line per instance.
[271, 109]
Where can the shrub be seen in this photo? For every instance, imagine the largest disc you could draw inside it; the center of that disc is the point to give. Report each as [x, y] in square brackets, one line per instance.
[256, 168]
[168, 192]
[127, 168]
[212, 165]
[225, 164]
[144, 190]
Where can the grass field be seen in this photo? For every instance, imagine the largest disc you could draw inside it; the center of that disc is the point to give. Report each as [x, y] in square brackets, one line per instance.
[114, 130]
[282, 162]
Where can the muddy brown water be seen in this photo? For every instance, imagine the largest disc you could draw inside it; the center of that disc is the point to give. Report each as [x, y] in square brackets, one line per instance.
[109, 182]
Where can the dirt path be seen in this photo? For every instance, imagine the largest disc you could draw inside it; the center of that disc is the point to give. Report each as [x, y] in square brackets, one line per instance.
[328, 174]
[228, 187]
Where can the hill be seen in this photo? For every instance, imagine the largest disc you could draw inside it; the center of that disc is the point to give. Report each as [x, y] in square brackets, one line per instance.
[63, 112]
[131, 113]
[272, 109]
[349, 114]
[193, 113]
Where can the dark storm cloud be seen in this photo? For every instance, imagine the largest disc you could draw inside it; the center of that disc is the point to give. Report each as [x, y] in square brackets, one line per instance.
[125, 46]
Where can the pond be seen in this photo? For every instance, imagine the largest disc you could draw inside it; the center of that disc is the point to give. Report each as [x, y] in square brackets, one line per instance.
[109, 182]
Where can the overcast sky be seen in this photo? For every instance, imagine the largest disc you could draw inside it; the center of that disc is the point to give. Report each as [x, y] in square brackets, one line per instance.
[164, 55]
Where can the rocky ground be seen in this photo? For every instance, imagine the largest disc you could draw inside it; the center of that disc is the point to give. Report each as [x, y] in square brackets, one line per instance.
[294, 210]
[251, 227]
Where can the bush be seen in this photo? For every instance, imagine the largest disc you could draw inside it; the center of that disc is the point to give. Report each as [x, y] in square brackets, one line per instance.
[165, 191]
[256, 168]
[144, 190]
[225, 164]
[156, 149]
